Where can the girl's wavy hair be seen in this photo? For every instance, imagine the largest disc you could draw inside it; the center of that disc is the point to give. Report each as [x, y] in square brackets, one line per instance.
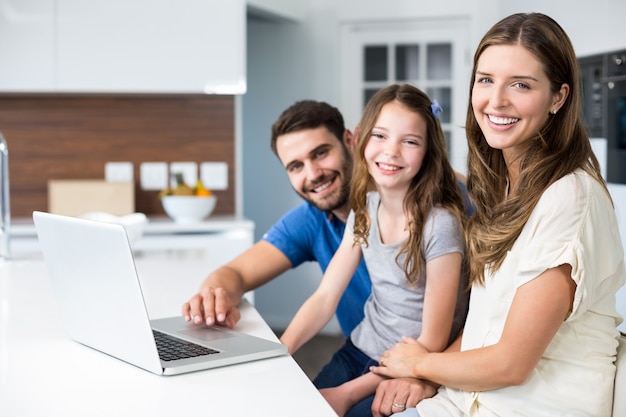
[435, 185]
[559, 148]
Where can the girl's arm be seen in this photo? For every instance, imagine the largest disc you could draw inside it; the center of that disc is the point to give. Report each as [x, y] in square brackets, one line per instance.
[440, 296]
[538, 310]
[343, 397]
[319, 308]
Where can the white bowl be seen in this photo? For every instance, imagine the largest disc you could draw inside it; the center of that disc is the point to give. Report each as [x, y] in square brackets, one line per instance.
[188, 208]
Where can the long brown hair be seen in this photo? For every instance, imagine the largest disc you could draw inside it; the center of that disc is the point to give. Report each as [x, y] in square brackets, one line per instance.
[558, 149]
[434, 185]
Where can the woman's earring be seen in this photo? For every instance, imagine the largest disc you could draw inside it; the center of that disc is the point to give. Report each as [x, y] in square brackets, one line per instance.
[554, 111]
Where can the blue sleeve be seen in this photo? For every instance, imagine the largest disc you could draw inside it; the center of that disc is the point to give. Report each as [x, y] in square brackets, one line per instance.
[294, 234]
[469, 207]
[307, 234]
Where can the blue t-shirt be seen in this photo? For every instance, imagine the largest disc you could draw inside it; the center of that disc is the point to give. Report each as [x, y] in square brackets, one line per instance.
[307, 234]
[469, 207]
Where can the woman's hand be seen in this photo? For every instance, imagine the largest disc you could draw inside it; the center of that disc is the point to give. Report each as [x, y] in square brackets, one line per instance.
[401, 360]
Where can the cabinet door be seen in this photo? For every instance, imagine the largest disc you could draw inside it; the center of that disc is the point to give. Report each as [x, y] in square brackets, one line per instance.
[191, 46]
[26, 45]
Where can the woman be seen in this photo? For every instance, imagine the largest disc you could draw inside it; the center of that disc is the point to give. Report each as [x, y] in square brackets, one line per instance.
[544, 249]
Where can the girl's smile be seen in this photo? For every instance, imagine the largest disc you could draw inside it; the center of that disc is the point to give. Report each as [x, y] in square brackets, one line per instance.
[396, 147]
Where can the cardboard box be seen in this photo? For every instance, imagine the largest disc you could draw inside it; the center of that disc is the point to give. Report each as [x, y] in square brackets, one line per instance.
[77, 197]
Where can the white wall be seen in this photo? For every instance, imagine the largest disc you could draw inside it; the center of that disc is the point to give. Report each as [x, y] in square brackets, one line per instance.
[297, 59]
[282, 68]
[285, 9]
[618, 193]
[593, 25]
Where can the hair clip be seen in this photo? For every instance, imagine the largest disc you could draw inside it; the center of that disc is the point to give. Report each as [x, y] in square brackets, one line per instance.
[436, 108]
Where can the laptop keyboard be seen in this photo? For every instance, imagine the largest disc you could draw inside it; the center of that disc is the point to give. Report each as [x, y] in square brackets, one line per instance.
[171, 348]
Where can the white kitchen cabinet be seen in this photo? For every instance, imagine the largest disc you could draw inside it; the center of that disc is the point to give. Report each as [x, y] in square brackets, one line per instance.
[618, 194]
[192, 46]
[27, 45]
[122, 46]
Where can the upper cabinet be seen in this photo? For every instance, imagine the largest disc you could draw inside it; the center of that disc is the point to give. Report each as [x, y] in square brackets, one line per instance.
[27, 45]
[124, 46]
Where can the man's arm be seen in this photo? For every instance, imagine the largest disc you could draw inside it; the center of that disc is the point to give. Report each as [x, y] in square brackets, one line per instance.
[220, 293]
[403, 392]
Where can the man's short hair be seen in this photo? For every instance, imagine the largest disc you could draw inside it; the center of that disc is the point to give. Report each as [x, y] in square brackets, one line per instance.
[308, 114]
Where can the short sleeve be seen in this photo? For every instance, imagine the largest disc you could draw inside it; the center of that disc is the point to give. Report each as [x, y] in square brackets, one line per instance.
[294, 234]
[443, 234]
[573, 223]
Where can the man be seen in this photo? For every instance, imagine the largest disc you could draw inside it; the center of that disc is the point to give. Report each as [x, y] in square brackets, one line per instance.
[314, 146]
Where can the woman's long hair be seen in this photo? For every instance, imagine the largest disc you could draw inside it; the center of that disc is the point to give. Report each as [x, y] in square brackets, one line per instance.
[434, 185]
[558, 149]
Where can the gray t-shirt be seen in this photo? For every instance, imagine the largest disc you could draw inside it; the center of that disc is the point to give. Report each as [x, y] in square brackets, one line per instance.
[394, 309]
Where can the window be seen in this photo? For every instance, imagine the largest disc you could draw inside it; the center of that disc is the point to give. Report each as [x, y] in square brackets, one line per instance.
[430, 55]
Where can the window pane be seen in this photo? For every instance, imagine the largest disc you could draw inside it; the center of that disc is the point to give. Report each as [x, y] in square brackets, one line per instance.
[439, 61]
[444, 96]
[407, 62]
[367, 95]
[375, 63]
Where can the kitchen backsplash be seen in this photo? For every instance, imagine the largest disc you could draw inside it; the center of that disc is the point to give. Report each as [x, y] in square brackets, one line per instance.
[72, 137]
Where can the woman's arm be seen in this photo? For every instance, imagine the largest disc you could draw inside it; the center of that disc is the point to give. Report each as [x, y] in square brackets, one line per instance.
[538, 310]
[443, 275]
[319, 308]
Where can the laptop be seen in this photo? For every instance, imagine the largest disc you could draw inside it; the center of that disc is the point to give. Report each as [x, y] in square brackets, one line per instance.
[99, 295]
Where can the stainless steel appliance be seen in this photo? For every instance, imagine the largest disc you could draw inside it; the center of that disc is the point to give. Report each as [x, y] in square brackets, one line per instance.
[604, 106]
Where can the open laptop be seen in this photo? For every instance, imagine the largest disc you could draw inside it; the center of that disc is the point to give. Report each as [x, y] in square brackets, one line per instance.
[100, 300]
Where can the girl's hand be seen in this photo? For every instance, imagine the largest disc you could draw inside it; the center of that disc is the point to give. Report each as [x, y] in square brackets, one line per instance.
[400, 361]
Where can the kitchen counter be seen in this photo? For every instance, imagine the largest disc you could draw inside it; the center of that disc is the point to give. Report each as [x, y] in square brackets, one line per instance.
[43, 373]
[24, 226]
[186, 253]
[160, 233]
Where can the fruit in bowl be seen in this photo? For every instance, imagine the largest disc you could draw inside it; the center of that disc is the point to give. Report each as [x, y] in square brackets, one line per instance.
[185, 204]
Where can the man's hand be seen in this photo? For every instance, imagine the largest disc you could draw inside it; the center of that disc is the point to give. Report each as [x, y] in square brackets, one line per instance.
[395, 395]
[211, 306]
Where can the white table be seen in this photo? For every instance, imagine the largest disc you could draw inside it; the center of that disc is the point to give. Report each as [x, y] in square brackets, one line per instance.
[43, 373]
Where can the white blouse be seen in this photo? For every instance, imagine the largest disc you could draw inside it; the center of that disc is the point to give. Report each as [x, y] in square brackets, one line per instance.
[573, 223]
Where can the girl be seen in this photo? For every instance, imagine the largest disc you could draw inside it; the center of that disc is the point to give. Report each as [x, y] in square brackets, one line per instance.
[544, 249]
[406, 223]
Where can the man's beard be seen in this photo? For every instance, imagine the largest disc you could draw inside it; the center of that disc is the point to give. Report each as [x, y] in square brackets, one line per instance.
[340, 197]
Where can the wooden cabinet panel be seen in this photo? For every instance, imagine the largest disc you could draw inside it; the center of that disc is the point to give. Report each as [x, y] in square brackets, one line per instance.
[72, 137]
